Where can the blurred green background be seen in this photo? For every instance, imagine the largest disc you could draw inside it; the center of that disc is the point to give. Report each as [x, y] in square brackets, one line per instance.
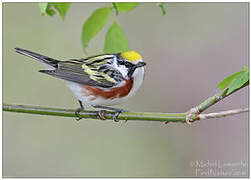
[188, 52]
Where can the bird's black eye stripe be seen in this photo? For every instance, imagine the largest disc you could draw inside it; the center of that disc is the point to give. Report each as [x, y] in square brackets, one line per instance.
[128, 64]
[125, 63]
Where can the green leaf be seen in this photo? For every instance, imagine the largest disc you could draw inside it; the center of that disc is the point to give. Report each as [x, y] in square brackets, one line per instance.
[62, 8]
[94, 24]
[43, 7]
[162, 7]
[115, 40]
[124, 6]
[223, 84]
[238, 82]
[50, 11]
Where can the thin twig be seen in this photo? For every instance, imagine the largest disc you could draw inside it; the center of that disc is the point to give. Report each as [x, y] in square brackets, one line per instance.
[222, 113]
[192, 114]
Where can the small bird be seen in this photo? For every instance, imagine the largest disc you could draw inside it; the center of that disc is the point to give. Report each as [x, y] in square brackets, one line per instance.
[99, 81]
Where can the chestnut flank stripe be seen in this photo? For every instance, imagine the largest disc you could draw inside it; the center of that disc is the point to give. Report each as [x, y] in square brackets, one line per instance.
[117, 92]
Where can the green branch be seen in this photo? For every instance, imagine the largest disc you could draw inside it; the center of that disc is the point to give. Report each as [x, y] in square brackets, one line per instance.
[190, 116]
[171, 117]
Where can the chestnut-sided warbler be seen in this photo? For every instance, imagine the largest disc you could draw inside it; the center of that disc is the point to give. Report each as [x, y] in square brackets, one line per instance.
[101, 80]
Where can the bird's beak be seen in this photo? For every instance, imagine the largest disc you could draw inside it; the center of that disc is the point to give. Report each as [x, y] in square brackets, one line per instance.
[140, 64]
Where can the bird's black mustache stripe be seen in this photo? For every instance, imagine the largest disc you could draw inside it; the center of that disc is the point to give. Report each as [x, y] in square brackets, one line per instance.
[131, 71]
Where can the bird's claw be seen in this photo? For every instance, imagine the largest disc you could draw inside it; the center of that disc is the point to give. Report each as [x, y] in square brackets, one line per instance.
[101, 114]
[77, 111]
[117, 113]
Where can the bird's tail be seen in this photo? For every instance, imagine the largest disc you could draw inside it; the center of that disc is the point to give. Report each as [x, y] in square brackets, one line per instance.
[38, 57]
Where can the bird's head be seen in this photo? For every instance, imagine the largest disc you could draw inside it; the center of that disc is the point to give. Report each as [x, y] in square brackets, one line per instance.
[131, 61]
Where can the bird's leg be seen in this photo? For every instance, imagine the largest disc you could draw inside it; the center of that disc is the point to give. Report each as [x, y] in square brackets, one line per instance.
[78, 110]
[117, 111]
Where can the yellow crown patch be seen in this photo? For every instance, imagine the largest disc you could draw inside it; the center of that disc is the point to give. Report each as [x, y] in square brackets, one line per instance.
[131, 56]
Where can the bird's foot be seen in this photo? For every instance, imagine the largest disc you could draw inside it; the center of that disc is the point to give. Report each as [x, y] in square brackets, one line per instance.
[77, 111]
[101, 113]
[116, 114]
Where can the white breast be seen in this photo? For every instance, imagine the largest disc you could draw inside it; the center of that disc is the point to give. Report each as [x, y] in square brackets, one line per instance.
[138, 76]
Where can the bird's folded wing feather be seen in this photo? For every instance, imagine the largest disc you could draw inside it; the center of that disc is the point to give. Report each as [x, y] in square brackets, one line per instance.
[101, 76]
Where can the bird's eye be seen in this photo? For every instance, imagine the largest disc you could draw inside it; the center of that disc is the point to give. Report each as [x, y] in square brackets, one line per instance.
[128, 65]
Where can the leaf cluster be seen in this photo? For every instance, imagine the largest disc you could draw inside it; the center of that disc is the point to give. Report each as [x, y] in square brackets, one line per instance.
[115, 39]
[49, 8]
